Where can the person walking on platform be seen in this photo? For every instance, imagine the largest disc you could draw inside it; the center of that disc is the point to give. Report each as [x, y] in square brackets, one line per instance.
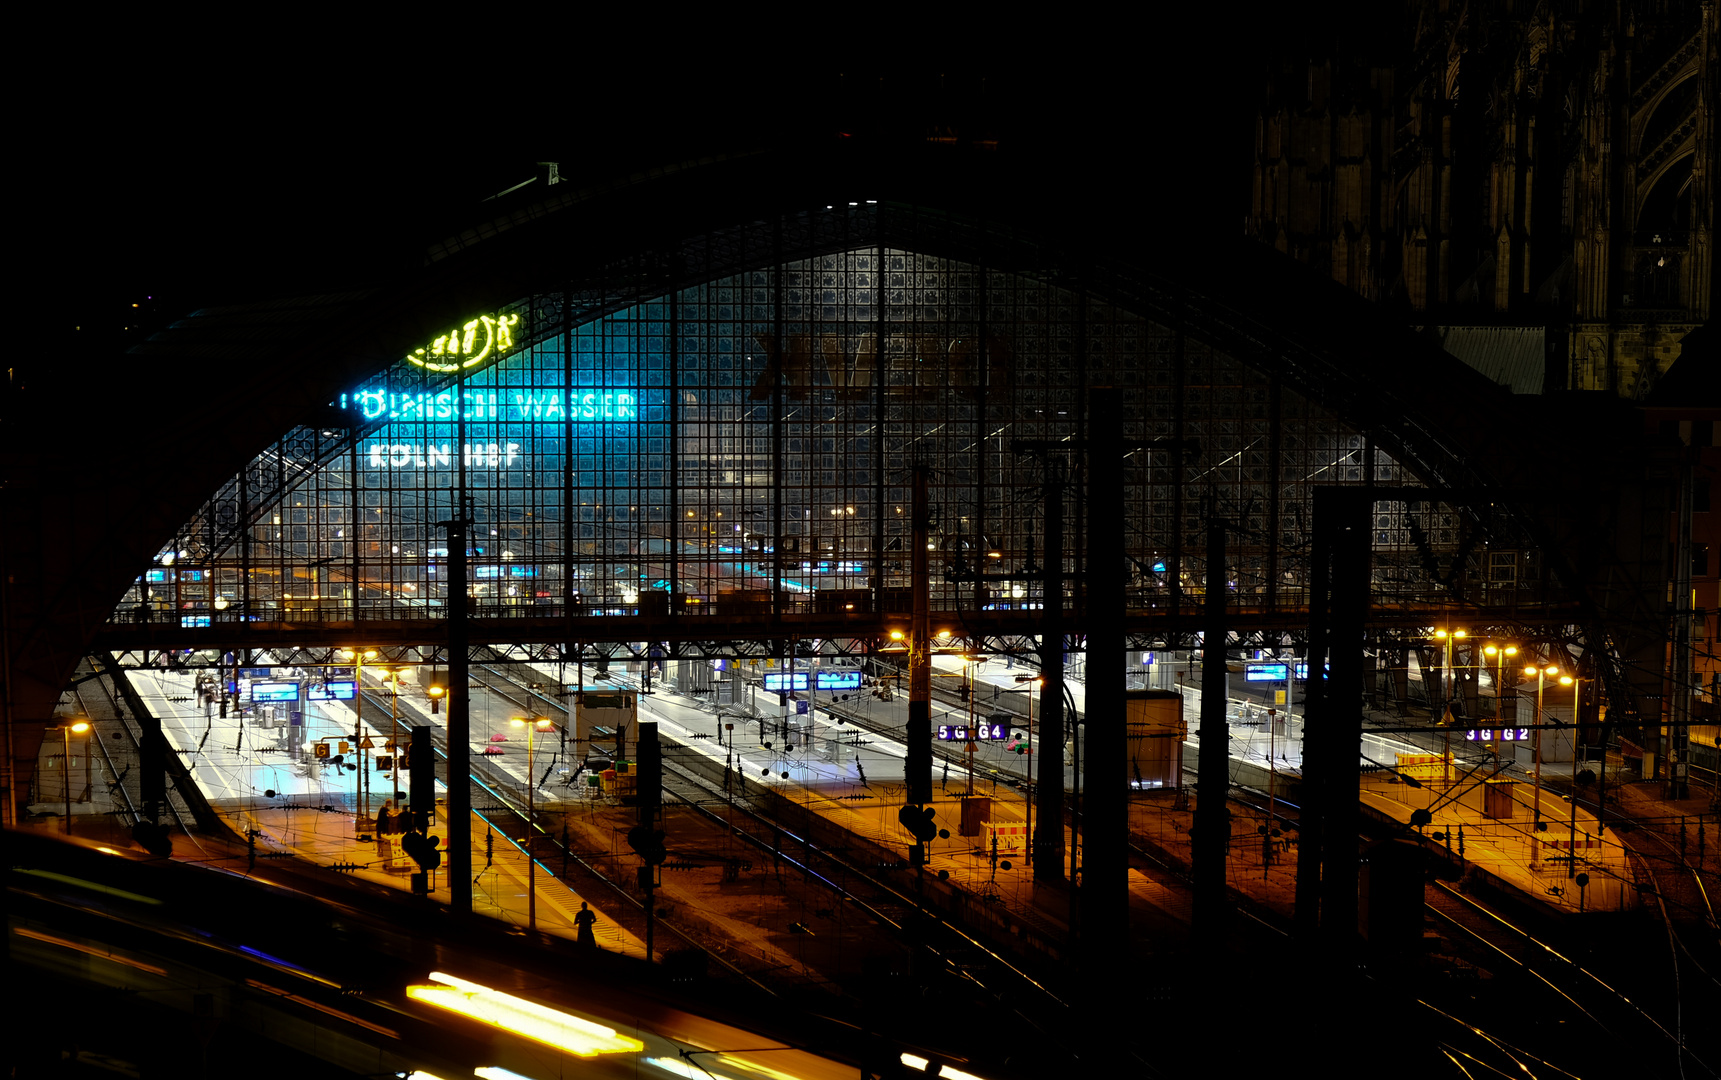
[385, 828]
[584, 920]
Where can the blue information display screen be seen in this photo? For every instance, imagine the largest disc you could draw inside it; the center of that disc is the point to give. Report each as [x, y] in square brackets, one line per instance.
[335, 690]
[837, 680]
[784, 681]
[275, 691]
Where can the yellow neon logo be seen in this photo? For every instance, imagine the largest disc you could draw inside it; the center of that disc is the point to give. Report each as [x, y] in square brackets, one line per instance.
[470, 345]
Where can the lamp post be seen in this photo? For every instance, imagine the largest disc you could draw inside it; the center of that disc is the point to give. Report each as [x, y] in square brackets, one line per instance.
[972, 662]
[535, 724]
[394, 738]
[1500, 653]
[1577, 700]
[1033, 682]
[1572, 830]
[1541, 673]
[1448, 636]
[359, 657]
[66, 763]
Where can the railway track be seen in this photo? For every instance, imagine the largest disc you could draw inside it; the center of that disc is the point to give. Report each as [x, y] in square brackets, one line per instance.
[1554, 987]
[856, 899]
[117, 736]
[494, 800]
[1693, 958]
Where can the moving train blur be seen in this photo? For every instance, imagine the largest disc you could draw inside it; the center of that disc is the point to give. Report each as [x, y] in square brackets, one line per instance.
[122, 964]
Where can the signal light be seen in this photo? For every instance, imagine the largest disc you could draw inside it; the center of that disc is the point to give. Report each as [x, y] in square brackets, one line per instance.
[648, 843]
[153, 838]
[425, 850]
[918, 821]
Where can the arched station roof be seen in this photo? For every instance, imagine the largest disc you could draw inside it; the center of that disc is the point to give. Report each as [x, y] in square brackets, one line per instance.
[87, 522]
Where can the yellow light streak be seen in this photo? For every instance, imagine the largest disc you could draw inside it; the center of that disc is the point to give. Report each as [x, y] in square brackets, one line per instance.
[299, 999]
[90, 950]
[946, 1072]
[584, 1038]
[755, 1067]
[677, 1067]
[67, 879]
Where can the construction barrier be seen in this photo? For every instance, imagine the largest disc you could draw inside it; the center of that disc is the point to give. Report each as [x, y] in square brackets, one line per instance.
[1012, 837]
[1424, 767]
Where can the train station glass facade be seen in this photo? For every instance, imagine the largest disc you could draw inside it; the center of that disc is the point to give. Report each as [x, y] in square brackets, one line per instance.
[749, 441]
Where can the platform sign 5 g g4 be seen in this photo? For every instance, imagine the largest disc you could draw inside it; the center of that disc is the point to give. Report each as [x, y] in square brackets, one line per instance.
[984, 732]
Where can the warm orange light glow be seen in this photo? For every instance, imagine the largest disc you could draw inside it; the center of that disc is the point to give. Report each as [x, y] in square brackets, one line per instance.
[526, 1018]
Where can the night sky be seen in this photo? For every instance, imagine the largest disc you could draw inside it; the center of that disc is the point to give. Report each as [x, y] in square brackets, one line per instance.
[176, 173]
[175, 165]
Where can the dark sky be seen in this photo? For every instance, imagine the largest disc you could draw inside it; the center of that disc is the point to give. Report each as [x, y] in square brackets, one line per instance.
[183, 174]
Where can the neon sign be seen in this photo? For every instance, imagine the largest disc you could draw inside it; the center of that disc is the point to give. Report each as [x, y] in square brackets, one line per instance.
[522, 404]
[468, 346]
[440, 455]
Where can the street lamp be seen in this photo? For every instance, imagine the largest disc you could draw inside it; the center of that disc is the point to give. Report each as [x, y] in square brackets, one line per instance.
[1448, 636]
[359, 656]
[1500, 653]
[66, 763]
[535, 724]
[1577, 700]
[972, 661]
[394, 736]
[1033, 682]
[1572, 830]
[1541, 673]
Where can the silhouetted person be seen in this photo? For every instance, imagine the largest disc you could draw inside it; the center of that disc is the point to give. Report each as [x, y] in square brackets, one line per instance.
[584, 920]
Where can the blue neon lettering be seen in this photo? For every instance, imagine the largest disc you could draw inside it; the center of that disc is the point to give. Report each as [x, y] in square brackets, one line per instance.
[530, 404]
